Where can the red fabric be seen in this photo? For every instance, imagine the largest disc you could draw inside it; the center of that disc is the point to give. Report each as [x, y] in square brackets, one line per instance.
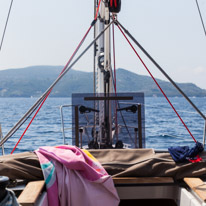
[197, 159]
[115, 3]
[111, 3]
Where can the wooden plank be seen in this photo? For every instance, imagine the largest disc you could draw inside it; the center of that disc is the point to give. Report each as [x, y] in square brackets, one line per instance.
[31, 193]
[143, 180]
[198, 186]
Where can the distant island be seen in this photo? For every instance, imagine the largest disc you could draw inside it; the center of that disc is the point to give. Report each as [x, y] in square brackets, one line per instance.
[34, 80]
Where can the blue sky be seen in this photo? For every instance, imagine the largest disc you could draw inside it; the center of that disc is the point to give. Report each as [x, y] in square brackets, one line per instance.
[46, 32]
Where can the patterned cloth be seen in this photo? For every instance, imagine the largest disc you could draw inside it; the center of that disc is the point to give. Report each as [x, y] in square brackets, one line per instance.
[74, 177]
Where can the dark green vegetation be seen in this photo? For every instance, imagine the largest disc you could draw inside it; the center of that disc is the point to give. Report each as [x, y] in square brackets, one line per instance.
[33, 81]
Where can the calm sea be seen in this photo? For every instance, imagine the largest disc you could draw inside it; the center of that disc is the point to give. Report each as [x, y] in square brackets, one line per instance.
[162, 126]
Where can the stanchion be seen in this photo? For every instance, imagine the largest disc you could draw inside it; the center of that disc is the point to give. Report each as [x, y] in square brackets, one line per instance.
[1, 137]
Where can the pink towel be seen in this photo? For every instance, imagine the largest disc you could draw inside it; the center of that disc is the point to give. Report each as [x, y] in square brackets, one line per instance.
[75, 178]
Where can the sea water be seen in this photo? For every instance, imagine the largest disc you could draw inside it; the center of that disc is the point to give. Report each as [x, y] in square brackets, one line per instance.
[162, 126]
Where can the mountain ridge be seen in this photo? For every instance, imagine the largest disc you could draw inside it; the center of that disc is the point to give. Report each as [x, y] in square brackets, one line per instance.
[34, 80]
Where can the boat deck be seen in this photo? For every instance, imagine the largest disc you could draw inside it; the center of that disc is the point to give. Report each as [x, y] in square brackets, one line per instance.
[159, 191]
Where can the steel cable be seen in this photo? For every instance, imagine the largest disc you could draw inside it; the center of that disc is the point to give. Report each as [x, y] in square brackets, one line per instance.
[157, 84]
[201, 17]
[7, 20]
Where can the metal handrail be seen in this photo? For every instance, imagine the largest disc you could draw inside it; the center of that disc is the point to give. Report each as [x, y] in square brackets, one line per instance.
[204, 134]
[62, 121]
[1, 137]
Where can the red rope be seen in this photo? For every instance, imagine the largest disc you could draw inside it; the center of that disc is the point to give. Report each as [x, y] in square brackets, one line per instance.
[111, 3]
[157, 84]
[51, 90]
[115, 82]
[59, 75]
[97, 10]
[30, 122]
[115, 3]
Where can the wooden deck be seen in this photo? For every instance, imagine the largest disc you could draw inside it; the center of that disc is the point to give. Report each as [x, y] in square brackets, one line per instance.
[30, 194]
[198, 186]
[143, 180]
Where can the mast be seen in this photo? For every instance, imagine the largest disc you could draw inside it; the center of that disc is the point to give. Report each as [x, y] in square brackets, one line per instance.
[107, 79]
[104, 77]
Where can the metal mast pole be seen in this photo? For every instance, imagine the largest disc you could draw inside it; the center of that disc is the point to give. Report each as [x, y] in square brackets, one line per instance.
[103, 84]
[107, 78]
[100, 75]
[94, 72]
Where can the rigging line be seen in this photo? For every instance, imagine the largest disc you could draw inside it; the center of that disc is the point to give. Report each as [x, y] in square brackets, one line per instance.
[51, 89]
[115, 82]
[123, 119]
[115, 3]
[96, 11]
[94, 60]
[66, 70]
[39, 101]
[95, 18]
[162, 71]
[201, 17]
[157, 84]
[81, 42]
[21, 121]
[7, 20]
[30, 122]
[111, 3]
[94, 68]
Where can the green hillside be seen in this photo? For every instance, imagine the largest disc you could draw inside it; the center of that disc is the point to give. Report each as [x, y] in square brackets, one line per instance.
[33, 81]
